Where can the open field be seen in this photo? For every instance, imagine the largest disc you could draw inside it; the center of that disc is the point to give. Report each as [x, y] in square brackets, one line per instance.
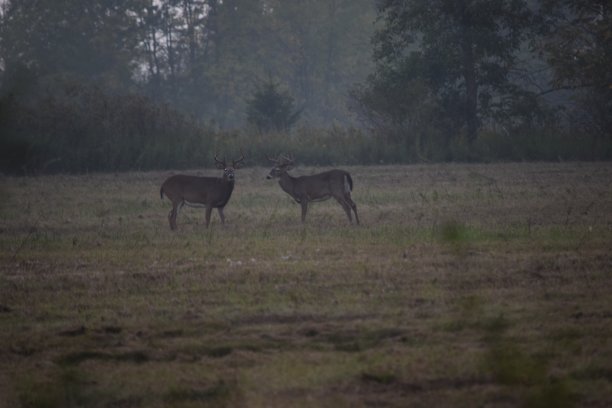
[465, 285]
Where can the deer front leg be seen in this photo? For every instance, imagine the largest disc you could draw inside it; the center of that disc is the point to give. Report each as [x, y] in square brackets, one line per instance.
[304, 205]
[208, 212]
[172, 216]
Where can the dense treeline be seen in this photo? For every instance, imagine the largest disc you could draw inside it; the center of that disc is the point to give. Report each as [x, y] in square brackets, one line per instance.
[453, 75]
[141, 84]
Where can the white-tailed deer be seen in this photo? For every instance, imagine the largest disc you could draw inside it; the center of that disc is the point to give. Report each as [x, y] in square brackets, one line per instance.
[317, 187]
[194, 191]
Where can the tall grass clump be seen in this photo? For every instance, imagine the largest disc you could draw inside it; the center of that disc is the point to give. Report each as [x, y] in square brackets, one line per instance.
[65, 126]
[312, 146]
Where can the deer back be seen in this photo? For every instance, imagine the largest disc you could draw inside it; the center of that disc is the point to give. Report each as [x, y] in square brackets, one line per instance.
[322, 185]
[210, 191]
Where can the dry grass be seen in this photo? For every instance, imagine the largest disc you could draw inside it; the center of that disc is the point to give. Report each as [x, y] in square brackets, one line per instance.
[466, 285]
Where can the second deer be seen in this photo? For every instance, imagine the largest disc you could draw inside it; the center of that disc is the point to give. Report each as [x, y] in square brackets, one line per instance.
[317, 187]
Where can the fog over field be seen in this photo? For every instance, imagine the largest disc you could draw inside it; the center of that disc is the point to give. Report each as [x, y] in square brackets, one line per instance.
[469, 266]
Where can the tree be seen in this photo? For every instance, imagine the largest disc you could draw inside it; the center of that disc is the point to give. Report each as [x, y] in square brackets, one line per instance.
[92, 41]
[317, 48]
[461, 50]
[577, 43]
[271, 109]
[320, 49]
[201, 56]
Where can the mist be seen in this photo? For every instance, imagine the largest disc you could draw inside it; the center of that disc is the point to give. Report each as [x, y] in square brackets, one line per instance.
[157, 84]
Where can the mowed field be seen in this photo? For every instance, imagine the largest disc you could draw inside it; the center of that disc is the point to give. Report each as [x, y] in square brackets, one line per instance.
[465, 285]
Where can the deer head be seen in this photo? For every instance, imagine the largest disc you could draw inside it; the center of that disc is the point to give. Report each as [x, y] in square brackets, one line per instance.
[228, 171]
[281, 165]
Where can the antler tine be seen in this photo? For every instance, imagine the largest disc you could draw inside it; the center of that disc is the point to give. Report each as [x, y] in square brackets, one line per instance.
[287, 159]
[222, 162]
[236, 162]
[271, 159]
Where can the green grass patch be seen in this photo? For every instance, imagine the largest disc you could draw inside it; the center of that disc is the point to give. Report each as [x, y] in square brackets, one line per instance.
[215, 393]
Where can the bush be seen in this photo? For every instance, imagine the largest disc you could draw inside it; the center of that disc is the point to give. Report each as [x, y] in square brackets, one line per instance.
[70, 127]
[271, 109]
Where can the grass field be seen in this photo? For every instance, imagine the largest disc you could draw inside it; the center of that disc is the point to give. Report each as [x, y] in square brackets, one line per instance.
[465, 286]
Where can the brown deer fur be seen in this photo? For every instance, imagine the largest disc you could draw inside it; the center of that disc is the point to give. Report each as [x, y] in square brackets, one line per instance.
[318, 187]
[208, 192]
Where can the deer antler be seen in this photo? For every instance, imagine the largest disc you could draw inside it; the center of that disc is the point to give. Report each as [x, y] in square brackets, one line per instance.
[271, 159]
[286, 159]
[235, 163]
[220, 163]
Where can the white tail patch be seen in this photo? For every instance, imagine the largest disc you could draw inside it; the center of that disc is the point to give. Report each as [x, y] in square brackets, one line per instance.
[194, 205]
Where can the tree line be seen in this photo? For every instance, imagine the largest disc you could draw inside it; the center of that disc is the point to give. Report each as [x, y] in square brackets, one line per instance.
[142, 84]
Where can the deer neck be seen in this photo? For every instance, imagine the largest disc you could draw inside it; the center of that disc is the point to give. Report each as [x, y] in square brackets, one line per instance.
[230, 184]
[287, 182]
[226, 193]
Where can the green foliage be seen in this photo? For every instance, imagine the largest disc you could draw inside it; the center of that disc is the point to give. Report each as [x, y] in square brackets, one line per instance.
[143, 85]
[460, 54]
[70, 127]
[217, 393]
[65, 389]
[206, 56]
[63, 37]
[576, 43]
[513, 367]
[201, 56]
[271, 109]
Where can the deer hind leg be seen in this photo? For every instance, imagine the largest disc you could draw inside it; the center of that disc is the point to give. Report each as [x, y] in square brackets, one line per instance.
[352, 204]
[220, 210]
[346, 207]
[348, 204]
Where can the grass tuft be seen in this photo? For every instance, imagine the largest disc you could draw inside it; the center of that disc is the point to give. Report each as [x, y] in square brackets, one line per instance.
[76, 358]
[215, 393]
[379, 377]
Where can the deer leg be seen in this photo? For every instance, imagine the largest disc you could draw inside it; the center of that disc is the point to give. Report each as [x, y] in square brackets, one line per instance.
[172, 216]
[345, 207]
[304, 205]
[208, 212]
[353, 206]
[220, 210]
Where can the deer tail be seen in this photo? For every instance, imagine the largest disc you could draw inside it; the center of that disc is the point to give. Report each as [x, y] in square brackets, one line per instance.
[348, 183]
[161, 192]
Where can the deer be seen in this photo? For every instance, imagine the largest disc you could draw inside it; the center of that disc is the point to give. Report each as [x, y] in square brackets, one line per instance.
[317, 187]
[195, 191]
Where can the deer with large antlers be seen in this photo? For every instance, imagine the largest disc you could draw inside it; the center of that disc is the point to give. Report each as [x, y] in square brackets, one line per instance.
[317, 187]
[194, 191]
